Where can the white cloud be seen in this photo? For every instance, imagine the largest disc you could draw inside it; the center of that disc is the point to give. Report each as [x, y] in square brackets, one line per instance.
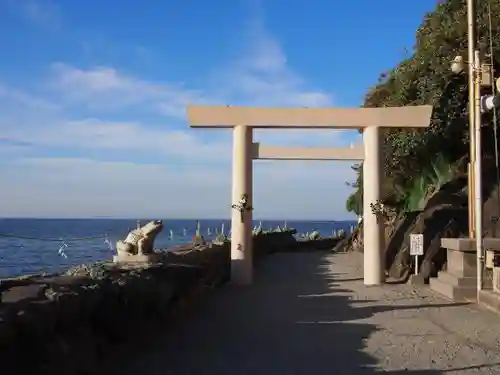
[262, 73]
[10, 96]
[94, 188]
[260, 76]
[88, 187]
[105, 88]
[95, 134]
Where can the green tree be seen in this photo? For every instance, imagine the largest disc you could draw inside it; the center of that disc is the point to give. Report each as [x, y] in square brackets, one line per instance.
[354, 202]
[425, 78]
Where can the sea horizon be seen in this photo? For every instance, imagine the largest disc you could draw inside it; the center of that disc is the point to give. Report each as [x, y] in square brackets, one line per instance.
[35, 245]
[166, 218]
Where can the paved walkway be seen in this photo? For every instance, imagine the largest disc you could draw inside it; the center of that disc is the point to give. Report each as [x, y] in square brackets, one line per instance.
[310, 314]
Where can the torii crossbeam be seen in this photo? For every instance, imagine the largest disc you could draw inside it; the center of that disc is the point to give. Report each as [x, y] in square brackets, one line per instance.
[244, 119]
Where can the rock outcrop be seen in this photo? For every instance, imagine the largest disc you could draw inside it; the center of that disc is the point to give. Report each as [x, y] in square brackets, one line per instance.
[445, 215]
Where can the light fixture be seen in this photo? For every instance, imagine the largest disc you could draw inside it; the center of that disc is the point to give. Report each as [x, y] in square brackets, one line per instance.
[488, 102]
[497, 84]
[458, 65]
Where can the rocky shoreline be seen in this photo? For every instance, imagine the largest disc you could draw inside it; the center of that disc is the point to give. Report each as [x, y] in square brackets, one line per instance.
[72, 322]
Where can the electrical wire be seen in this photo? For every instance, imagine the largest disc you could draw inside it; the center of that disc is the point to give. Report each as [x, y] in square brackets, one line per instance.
[62, 241]
[53, 239]
[495, 114]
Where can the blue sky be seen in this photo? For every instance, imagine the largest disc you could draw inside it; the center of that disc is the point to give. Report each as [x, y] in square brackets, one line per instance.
[93, 96]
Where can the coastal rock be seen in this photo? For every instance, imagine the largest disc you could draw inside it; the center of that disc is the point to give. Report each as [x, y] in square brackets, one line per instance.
[352, 242]
[445, 215]
[76, 321]
[435, 223]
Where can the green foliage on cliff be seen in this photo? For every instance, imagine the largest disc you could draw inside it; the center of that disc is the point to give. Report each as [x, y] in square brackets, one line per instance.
[355, 201]
[428, 183]
[425, 77]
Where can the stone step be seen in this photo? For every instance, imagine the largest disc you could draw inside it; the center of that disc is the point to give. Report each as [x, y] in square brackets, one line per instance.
[453, 292]
[490, 300]
[470, 272]
[450, 278]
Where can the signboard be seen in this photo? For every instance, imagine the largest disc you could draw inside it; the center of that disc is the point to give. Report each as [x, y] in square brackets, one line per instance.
[416, 244]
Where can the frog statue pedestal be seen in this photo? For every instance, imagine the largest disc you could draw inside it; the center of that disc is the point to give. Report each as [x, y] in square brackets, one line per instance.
[138, 246]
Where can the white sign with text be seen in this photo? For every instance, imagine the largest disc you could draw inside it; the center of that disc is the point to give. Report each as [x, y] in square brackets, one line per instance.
[416, 244]
[416, 248]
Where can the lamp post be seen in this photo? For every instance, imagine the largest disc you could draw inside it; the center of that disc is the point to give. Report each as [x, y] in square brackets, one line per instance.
[474, 167]
[474, 74]
[478, 172]
[475, 78]
[471, 48]
[481, 77]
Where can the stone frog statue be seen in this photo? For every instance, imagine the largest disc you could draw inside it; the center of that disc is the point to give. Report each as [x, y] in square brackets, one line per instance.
[140, 241]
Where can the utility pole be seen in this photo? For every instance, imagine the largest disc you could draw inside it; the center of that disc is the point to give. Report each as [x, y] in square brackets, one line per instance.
[475, 166]
[471, 33]
[478, 173]
[479, 75]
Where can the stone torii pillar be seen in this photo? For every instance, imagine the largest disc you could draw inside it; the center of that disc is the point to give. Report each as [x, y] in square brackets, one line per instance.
[242, 221]
[243, 119]
[373, 228]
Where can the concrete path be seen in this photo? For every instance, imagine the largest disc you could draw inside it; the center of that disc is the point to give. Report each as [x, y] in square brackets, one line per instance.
[310, 314]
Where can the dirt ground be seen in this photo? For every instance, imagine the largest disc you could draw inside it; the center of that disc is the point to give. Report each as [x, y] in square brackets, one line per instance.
[309, 313]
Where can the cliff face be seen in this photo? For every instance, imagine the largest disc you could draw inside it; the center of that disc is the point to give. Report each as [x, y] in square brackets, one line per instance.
[445, 215]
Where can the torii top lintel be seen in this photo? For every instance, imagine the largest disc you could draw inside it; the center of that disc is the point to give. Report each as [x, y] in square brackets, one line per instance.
[313, 118]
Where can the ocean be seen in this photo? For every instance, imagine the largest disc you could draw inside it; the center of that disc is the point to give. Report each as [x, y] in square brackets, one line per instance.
[30, 246]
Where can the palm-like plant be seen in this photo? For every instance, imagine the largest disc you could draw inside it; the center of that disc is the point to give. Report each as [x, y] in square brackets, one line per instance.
[429, 183]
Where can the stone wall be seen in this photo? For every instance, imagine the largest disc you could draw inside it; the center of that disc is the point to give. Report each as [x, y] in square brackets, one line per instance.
[71, 323]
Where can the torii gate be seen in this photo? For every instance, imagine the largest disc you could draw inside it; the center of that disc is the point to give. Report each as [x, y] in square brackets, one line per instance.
[244, 119]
